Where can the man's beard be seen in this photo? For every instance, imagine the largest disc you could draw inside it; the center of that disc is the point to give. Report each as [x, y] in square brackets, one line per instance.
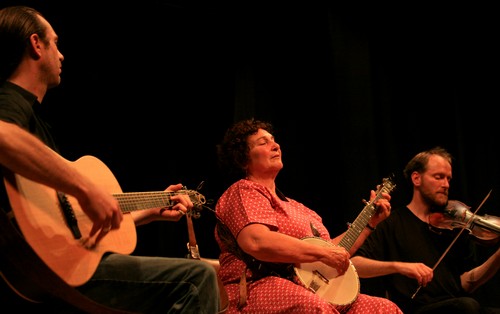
[435, 205]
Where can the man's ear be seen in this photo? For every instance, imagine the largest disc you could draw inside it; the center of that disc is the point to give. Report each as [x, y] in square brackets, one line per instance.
[35, 47]
[416, 178]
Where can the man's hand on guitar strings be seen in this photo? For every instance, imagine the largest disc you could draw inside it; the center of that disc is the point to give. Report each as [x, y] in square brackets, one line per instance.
[103, 210]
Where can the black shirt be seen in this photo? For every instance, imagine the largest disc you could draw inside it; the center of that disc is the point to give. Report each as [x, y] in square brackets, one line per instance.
[17, 105]
[404, 237]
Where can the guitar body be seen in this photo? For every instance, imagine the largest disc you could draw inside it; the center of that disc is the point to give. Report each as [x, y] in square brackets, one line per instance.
[37, 210]
[323, 280]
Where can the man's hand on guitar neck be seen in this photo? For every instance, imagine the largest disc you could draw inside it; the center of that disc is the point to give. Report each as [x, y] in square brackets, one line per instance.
[182, 205]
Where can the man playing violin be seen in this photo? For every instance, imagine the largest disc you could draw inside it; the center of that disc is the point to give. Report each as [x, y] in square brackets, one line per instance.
[408, 253]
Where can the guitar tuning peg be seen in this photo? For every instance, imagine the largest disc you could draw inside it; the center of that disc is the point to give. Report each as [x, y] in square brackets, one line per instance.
[200, 185]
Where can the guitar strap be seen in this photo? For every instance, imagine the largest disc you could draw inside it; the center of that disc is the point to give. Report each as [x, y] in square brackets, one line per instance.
[194, 253]
[258, 268]
[192, 246]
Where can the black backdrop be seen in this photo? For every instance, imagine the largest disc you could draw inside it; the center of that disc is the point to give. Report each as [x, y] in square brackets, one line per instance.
[354, 91]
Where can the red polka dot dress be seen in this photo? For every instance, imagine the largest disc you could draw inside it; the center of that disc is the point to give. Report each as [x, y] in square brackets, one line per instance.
[246, 202]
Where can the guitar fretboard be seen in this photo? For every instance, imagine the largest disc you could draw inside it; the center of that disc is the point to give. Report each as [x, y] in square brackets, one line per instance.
[144, 200]
[357, 226]
[364, 217]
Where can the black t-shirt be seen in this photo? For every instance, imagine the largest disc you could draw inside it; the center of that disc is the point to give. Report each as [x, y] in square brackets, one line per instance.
[404, 237]
[17, 105]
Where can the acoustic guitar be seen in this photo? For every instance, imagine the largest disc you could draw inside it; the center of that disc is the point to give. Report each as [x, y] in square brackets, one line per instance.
[57, 229]
[322, 279]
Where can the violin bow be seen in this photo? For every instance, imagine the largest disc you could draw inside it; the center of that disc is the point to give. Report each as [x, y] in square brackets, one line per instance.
[455, 239]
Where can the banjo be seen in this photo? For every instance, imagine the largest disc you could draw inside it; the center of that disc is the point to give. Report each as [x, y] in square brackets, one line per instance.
[322, 279]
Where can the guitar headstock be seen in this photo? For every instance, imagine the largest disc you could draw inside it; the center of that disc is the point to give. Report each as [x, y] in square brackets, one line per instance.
[198, 201]
[387, 185]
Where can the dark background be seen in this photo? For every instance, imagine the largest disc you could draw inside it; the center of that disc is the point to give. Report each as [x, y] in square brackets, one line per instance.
[354, 91]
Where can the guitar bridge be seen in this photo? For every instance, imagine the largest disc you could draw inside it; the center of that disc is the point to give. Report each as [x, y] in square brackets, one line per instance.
[69, 215]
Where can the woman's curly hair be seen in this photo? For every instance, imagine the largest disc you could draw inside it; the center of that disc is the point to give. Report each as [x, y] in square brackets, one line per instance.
[233, 151]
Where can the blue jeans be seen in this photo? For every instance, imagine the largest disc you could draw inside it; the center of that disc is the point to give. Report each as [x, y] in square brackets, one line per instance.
[154, 285]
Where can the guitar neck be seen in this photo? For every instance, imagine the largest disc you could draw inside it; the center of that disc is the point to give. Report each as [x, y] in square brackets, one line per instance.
[130, 202]
[364, 217]
[133, 201]
[357, 226]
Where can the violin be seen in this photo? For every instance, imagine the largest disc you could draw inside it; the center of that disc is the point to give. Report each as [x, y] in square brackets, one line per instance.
[456, 214]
